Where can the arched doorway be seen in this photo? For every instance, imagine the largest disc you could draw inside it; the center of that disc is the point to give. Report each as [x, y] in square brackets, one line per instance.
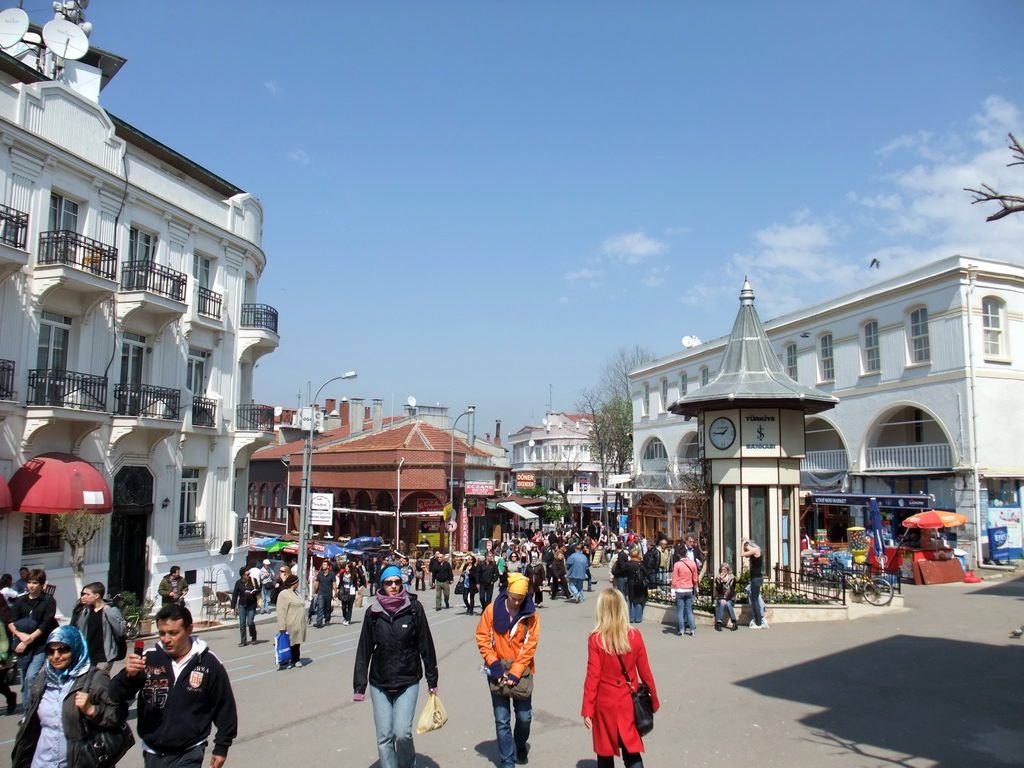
[129, 531]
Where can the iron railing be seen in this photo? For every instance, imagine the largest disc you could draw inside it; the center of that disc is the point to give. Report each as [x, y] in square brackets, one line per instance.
[929, 456]
[6, 379]
[45, 541]
[824, 461]
[260, 316]
[13, 227]
[194, 530]
[75, 250]
[208, 302]
[204, 412]
[155, 278]
[67, 389]
[258, 418]
[146, 400]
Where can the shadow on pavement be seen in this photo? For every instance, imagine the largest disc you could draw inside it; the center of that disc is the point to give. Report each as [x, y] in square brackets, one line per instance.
[953, 702]
[1003, 588]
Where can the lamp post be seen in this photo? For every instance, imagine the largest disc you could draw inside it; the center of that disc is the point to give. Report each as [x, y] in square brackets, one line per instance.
[307, 459]
[451, 467]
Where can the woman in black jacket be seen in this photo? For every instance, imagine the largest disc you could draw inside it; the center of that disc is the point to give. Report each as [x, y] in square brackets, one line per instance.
[395, 649]
[468, 576]
[636, 586]
[244, 600]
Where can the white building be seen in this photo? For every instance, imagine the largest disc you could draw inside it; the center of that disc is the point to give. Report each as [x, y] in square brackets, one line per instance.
[928, 368]
[557, 454]
[128, 278]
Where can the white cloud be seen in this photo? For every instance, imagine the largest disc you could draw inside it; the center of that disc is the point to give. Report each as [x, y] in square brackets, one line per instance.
[299, 156]
[273, 87]
[916, 213]
[632, 247]
[581, 274]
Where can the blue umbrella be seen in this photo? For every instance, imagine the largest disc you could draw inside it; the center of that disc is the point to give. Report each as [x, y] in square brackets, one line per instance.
[264, 543]
[876, 531]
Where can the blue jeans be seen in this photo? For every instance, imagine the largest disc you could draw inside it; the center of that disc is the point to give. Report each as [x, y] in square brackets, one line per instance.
[268, 597]
[508, 740]
[323, 608]
[721, 609]
[684, 612]
[392, 716]
[620, 584]
[30, 665]
[576, 588]
[755, 598]
[636, 613]
[246, 618]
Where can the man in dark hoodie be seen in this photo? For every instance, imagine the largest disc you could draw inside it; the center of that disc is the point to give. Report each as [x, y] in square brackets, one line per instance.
[183, 690]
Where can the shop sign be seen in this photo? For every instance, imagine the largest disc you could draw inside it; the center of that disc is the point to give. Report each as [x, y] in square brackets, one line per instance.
[479, 489]
[428, 506]
[321, 509]
[525, 480]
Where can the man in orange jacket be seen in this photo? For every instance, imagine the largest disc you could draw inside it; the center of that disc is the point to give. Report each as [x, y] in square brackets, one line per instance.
[508, 631]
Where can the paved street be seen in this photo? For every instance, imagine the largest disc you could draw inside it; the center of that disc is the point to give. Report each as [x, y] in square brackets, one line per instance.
[938, 684]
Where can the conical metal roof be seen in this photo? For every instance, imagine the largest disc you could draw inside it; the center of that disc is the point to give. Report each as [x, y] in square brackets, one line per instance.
[751, 375]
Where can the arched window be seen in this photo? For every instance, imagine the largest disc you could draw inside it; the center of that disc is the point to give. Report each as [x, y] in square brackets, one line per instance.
[664, 395]
[920, 345]
[655, 449]
[828, 362]
[791, 361]
[705, 376]
[872, 359]
[647, 399]
[254, 501]
[682, 384]
[265, 508]
[281, 502]
[992, 312]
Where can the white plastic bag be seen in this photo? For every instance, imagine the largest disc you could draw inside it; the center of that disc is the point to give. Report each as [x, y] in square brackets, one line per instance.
[433, 716]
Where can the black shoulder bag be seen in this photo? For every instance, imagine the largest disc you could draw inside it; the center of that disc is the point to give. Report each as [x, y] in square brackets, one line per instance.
[643, 705]
[103, 747]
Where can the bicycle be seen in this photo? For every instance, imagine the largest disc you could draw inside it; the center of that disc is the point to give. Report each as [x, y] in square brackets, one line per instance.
[874, 589]
[132, 613]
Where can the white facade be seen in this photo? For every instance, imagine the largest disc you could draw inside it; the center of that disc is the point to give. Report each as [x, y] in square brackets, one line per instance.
[558, 450]
[927, 367]
[130, 334]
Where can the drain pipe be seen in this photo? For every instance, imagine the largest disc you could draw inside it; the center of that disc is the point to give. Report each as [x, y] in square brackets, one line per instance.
[972, 275]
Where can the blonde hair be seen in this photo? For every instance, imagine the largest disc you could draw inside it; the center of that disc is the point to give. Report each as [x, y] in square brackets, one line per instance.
[612, 628]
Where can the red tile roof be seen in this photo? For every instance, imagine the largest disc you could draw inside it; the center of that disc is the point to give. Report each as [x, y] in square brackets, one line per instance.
[416, 435]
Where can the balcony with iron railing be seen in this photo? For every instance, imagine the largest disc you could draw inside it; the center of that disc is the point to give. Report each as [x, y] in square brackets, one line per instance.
[144, 400]
[204, 412]
[259, 316]
[154, 278]
[6, 379]
[78, 251]
[56, 388]
[13, 227]
[193, 530]
[209, 303]
[255, 418]
[825, 461]
[902, 457]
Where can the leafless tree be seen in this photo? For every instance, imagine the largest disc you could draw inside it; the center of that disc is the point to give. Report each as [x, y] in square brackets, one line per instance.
[78, 529]
[1008, 203]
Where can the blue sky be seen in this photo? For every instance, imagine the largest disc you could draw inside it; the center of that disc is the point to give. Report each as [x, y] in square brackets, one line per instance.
[479, 202]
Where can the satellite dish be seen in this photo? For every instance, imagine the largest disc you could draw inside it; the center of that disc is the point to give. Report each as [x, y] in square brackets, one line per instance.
[65, 39]
[277, 410]
[544, 422]
[13, 24]
[411, 401]
[532, 443]
[691, 341]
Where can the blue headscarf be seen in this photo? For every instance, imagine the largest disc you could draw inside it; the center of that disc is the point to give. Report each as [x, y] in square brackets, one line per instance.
[73, 639]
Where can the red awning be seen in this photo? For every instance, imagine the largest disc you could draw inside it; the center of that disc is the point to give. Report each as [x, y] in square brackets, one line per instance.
[55, 483]
[5, 497]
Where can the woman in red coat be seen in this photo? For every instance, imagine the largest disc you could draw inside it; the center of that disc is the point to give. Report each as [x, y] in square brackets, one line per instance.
[607, 704]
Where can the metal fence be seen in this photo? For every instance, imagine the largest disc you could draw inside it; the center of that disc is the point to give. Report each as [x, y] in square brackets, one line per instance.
[67, 389]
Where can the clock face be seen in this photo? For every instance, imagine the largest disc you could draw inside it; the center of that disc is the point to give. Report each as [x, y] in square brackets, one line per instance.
[722, 433]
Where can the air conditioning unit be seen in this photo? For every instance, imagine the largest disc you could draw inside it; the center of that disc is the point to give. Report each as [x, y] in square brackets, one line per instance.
[502, 487]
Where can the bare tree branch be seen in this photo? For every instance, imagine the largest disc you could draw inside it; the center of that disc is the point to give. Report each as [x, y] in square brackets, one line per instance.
[1009, 204]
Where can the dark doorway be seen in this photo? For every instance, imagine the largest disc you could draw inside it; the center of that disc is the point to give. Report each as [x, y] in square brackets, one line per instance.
[129, 531]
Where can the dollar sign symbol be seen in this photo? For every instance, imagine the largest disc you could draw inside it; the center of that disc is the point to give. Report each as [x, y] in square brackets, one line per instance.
[760, 433]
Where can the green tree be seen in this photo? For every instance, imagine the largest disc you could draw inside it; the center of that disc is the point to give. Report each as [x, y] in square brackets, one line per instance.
[78, 529]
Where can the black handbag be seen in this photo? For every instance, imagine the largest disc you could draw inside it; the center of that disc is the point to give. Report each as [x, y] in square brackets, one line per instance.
[103, 747]
[643, 705]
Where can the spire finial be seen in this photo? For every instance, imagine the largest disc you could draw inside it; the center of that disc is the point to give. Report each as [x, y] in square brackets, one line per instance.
[746, 293]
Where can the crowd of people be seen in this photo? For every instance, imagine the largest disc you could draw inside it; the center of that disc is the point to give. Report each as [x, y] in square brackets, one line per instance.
[183, 693]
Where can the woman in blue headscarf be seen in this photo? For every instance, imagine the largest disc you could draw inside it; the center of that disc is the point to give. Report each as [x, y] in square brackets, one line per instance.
[68, 689]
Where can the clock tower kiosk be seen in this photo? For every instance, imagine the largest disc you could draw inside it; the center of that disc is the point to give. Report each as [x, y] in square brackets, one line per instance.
[751, 434]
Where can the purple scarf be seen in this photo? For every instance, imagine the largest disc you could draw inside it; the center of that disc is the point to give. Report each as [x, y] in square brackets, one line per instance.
[392, 603]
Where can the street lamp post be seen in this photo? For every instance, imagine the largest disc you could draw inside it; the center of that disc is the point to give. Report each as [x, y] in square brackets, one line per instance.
[307, 459]
[451, 467]
[398, 503]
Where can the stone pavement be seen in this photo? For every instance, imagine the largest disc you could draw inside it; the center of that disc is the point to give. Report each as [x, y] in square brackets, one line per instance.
[937, 684]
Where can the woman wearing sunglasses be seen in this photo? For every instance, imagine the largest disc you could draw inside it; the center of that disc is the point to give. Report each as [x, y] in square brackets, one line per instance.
[51, 734]
[395, 649]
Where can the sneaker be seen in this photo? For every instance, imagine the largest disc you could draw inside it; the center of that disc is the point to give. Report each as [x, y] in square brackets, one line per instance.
[764, 624]
[297, 665]
[346, 623]
[756, 626]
